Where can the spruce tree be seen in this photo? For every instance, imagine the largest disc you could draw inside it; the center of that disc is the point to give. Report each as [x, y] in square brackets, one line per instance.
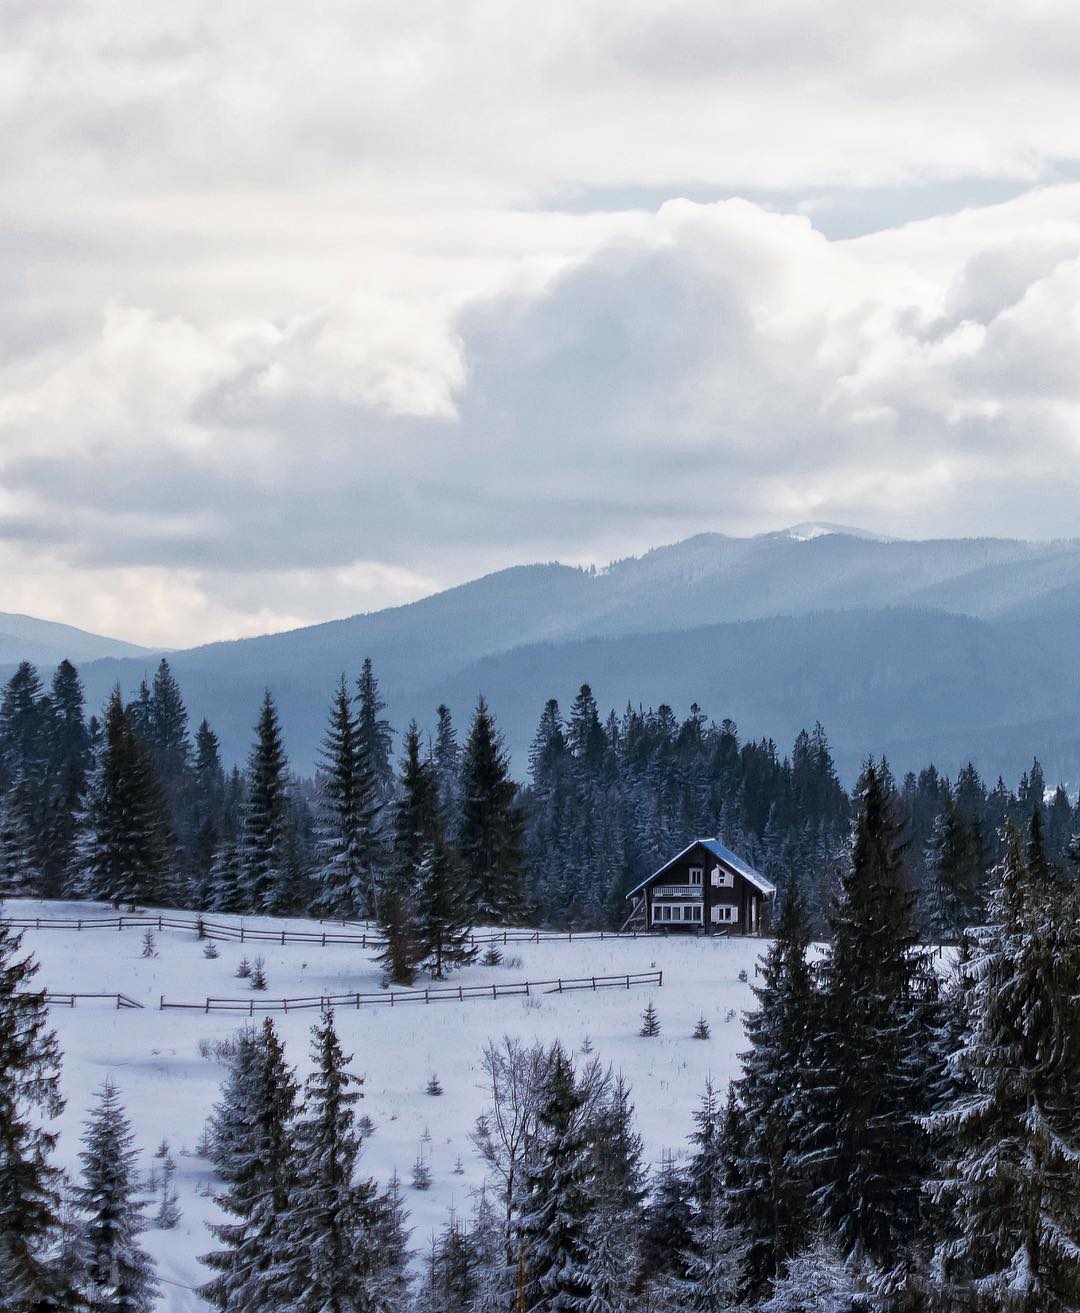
[263, 840]
[446, 759]
[120, 1273]
[666, 1232]
[557, 1210]
[816, 1280]
[69, 762]
[490, 837]
[951, 893]
[170, 747]
[29, 1093]
[442, 921]
[772, 1200]
[862, 1141]
[347, 843]
[374, 735]
[1010, 1179]
[416, 826]
[254, 1147]
[328, 1254]
[126, 854]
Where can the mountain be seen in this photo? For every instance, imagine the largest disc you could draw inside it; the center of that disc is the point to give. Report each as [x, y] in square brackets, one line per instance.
[45, 642]
[938, 649]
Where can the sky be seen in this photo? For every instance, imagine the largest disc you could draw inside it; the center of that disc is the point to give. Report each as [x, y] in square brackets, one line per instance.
[313, 310]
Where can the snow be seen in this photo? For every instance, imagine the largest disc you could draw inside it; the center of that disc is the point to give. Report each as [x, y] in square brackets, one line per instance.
[167, 1088]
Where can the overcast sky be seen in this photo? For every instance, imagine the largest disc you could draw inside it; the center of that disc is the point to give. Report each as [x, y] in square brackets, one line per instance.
[313, 309]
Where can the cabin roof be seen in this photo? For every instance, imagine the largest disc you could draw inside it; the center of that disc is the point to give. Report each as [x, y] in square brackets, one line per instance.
[725, 857]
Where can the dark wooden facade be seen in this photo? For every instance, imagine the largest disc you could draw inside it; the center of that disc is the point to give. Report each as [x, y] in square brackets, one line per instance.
[706, 888]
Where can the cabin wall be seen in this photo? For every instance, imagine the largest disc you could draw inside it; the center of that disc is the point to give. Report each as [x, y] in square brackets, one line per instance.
[741, 894]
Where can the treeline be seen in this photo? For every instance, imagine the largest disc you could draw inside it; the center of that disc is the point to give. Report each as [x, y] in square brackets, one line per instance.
[134, 808]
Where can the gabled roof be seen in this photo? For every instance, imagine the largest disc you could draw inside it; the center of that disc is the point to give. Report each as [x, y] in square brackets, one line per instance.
[725, 857]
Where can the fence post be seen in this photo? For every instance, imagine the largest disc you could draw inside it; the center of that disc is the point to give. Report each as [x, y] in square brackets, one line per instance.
[494, 991]
[161, 1002]
[659, 979]
[208, 1006]
[358, 1002]
[560, 986]
[241, 932]
[283, 939]
[627, 982]
[594, 982]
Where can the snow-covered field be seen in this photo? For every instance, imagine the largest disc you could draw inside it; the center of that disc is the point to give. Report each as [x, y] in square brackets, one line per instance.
[168, 1087]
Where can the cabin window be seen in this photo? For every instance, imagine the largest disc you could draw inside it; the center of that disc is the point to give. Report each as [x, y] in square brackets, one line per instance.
[696, 873]
[670, 913]
[725, 914]
[722, 879]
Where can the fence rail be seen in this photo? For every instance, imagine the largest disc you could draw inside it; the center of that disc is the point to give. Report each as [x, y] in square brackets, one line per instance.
[69, 1000]
[440, 994]
[262, 934]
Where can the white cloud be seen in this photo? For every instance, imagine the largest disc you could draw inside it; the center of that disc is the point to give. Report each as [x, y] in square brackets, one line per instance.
[298, 321]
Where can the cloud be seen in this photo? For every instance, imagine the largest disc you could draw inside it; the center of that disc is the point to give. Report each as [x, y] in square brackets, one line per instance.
[296, 325]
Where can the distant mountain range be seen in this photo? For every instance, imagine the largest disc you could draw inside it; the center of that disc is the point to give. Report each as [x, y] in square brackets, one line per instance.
[47, 643]
[943, 649]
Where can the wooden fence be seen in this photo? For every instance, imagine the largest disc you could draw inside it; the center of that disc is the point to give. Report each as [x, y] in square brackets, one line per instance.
[69, 1000]
[439, 994]
[220, 930]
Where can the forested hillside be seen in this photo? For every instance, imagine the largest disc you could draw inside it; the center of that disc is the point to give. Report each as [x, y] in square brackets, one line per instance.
[136, 807]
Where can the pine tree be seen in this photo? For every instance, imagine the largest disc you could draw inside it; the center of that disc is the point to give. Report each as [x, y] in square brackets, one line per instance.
[666, 1233]
[29, 1092]
[328, 1254]
[19, 875]
[126, 852]
[861, 1137]
[617, 1188]
[446, 759]
[816, 1280]
[262, 845]
[951, 893]
[170, 747]
[252, 1141]
[227, 892]
[772, 1200]
[120, 1272]
[228, 1125]
[442, 921]
[495, 1278]
[557, 1211]
[68, 744]
[391, 1244]
[490, 837]
[374, 735]
[650, 1022]
[714, 1265]
[207, 816]
[168, 1213]
[1010, 1180]
[347, 841]
[416, 826]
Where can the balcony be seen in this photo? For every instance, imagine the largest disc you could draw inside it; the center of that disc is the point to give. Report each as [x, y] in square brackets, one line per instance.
[677, 891]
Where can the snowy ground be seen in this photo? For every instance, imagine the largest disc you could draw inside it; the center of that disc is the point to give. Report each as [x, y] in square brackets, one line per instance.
[168, 1088]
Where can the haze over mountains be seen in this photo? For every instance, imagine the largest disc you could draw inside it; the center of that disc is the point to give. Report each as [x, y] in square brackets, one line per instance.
[941, 649]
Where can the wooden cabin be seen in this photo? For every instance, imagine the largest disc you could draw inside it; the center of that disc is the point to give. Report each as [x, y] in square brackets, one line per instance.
[706, 888]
